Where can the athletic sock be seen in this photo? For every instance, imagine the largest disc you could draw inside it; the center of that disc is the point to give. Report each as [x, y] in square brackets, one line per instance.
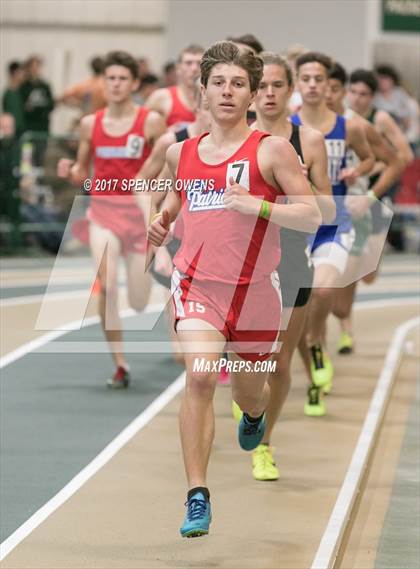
[202, 489]
[253, 419]
[317, 358]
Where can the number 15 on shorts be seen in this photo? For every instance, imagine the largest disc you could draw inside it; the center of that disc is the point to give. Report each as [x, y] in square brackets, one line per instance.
[196, 307]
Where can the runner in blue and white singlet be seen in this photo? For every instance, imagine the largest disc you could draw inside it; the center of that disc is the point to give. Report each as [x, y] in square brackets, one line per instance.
[341, 230]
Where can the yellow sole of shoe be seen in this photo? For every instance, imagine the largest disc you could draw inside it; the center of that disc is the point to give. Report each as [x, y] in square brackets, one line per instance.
[265, 479]
[310, 412]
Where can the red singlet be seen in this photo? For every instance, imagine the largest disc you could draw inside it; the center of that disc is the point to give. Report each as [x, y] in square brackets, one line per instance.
[116, 161]
[180, 114]
[217, 244]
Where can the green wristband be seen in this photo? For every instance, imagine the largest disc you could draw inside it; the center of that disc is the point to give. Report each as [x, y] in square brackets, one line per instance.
[265, 210]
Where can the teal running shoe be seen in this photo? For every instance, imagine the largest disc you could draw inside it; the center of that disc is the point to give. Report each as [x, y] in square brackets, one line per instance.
[198, 517]
[250, 434]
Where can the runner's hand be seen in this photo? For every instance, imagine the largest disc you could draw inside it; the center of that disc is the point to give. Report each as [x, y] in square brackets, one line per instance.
[159, 228]
[357, 205]
[348, 175]
[237, 198]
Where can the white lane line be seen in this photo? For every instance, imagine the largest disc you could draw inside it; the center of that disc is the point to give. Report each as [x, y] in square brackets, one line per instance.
[93, 467]
[47, 296]
[333, 535]
[71, 326]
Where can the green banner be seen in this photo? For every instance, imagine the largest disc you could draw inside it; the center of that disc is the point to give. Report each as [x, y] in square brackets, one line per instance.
[401, 15]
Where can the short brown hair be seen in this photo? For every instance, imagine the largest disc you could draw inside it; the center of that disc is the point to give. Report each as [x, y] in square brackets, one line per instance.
[124, 59]
[315, 57]
[193, 48]
[227, 52]
[270, 58]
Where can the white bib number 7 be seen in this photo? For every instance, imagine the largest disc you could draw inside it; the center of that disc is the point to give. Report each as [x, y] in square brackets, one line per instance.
[239, 171]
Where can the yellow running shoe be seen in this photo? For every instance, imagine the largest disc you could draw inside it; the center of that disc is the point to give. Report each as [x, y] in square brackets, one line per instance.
[345, 344]
[327, 388]
[263, 465]
[315, 406]
[236, 412]
[322, 370]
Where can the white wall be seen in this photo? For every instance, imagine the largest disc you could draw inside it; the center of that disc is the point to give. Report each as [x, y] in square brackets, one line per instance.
[397, 48]
[336, 27]
[67, 33]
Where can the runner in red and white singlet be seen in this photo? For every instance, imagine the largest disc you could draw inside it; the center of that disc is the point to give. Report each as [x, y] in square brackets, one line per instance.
[177, 104]
[117, 159]
[180, 115]
[118, 141]
[226, 259]
[232, 258]
[222, 282]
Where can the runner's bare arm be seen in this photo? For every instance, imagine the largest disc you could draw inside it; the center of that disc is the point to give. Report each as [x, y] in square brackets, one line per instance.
[159, 101]
[154, 127]
[280, 167]
[159, 227]
[383, 153]
[302, 213]
[356, 139]
[77, 171]
[318, 174]
[159, 197]
[156, 160]
[392, 132]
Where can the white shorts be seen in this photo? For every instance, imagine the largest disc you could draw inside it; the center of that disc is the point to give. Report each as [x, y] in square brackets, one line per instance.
[333, 253]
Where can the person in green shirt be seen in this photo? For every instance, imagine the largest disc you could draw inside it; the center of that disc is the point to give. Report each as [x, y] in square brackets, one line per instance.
[12, 102]
[38, 103]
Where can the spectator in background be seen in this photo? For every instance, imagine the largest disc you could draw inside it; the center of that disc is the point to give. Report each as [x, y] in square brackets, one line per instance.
[169, 74]
[9, 162]
[144, 67]
[12, 100]
[38, 103]
[148, 84]
[292, 53]
[391, 97]
[247, 41]
[413, 130]
[88, 95]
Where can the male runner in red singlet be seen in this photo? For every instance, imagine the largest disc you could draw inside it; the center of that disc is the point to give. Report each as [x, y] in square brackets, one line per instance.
[223, 288]
[295, 269]
[177, 104]
[118, 139]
